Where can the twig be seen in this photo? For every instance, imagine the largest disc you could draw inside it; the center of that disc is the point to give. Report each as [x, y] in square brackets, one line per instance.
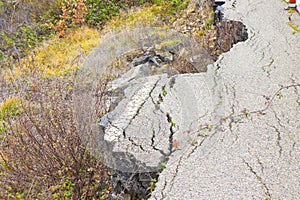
[270, 101]
[31, 185]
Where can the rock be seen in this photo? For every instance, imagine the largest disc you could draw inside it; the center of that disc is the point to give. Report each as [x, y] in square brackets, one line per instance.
[140, 60]
[223, 37]
[230, 33]
[165, 56]
[215, 37]
[132, 185]
[154, 61]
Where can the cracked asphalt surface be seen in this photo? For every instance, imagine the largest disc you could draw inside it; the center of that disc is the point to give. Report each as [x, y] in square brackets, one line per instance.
[252, 150]
[229, 133]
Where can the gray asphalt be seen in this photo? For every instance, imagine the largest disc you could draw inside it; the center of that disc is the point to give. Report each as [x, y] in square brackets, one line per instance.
[254, 152]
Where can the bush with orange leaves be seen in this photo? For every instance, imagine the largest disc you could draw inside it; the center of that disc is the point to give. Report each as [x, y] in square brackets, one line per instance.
[73, 14]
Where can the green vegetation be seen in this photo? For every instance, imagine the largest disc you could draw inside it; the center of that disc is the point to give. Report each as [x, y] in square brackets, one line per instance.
[164, 91]
[152, 185]
[163, 166]
[22, 26]
[8, 109]
[168, 44]
[101, 11]
[201, 134]
[56, 57]
[154, 12]
[294, 27]
[42, 46]
[209, 22]
[28, 23]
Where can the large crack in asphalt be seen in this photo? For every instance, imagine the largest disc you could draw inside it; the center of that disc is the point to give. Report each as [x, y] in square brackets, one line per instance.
[171, 143]
[163, 190]
[176, 172]
[153, 145]
[267, 68]
[260, 163]
[259, 179]
[278, 140]
[232, 115]
[140, 106]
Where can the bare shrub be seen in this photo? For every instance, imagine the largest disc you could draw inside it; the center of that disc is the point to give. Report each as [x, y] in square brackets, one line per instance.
[42, 155]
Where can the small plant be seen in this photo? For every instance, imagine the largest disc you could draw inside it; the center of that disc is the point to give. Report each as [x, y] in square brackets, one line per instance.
[139, 109]
[164, 91]
[163, 166]
[210, 127]
[175, 144]
[10, 108]
[201, 33]
[210, 21]
[201, 134]
[267, 198]
[169, 44]
[152, 184]
[172, 124]
[294, 27]
[279, 95]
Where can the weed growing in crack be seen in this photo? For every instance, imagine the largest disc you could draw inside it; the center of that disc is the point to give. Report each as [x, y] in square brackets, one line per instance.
[152, 184]
[164, 91]
[201, 134]
[175, 144]
[279, 95]
[139, 109]
[172, 124]
[197, 136]
[295, 28]
[163, 166]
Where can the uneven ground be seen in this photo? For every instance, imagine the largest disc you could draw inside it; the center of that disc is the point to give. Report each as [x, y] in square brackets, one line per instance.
[229, 133]
[249, 155]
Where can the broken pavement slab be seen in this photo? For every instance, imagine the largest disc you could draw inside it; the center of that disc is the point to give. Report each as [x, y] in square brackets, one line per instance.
[155, 114]
[155, 111]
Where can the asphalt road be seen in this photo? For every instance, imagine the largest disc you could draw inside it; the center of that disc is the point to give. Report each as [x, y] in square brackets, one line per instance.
[252, 148]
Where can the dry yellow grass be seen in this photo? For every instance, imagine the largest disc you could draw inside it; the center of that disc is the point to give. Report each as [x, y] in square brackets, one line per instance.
[137, 17]
[57, 56]
[60, 56]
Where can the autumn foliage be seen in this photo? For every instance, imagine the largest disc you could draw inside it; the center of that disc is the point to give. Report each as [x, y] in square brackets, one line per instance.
[73, 14]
